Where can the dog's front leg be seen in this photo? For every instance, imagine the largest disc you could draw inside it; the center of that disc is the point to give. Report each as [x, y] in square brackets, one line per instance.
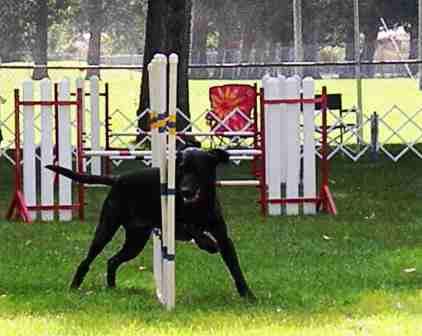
[229, 255]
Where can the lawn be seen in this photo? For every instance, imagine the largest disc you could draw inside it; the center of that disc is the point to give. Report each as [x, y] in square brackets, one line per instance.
[359, 273]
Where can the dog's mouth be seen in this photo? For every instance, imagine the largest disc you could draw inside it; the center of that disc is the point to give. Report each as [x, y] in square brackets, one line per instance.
[190, 197]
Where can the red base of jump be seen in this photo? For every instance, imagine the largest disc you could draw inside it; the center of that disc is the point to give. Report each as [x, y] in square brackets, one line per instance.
[324, 202]
[19, 208]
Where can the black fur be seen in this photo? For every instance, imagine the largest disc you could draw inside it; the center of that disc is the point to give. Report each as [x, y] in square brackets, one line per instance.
[134, 203]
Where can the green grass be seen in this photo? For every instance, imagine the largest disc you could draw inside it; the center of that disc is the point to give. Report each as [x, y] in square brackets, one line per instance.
[313, 275]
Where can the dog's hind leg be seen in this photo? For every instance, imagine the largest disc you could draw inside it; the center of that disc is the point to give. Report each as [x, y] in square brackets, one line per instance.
[136, 239]
[105, 231]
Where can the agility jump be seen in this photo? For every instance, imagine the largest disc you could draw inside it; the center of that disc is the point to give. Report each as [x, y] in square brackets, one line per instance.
[25, 204]
[288, 107]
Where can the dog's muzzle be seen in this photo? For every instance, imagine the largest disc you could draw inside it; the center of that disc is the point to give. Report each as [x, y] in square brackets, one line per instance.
[189, 195]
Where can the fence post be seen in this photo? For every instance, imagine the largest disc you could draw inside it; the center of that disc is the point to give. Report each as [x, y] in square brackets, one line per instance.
[374, 136]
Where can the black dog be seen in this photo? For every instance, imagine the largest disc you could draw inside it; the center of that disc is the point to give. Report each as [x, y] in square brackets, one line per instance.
[134, 203]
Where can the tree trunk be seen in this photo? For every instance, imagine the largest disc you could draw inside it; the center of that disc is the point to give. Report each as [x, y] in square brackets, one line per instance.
[95, 13]
[199, 39]
[167, 31]
[40, 46]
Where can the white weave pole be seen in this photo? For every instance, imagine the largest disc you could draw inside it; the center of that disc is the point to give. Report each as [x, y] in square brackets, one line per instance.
[163, 139]
[171, 180]
[161, 63]
[155, 162]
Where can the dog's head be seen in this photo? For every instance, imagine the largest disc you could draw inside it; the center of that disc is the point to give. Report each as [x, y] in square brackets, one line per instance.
[196, 173]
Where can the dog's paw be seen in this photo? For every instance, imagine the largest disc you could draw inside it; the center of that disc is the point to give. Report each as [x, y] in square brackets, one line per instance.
[250, 297]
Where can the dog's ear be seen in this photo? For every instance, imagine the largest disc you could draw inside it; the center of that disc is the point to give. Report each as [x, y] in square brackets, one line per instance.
[220, 155]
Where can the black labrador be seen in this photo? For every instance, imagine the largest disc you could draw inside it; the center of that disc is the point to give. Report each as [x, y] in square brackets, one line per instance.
[134, 203]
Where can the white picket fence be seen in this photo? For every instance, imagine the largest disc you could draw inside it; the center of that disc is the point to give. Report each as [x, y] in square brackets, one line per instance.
[48, 136]
[93, 118]
[287, 143]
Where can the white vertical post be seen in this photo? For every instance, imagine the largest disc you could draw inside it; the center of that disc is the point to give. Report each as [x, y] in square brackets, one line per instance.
[309, 165]
[155, 163]
[293, 145]
[162, 109]
[80, 84]
[171, 283]
[65, 150]
[47, 126]
[273, 143]
[95, 123]
[282, 129]
[29, 167]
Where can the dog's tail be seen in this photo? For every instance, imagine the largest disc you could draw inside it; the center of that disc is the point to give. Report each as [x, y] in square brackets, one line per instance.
[83, 178]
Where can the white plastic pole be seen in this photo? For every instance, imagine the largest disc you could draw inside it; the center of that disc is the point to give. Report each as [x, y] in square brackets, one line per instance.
[162, 109]
[273, 143]
[309, 165]
[155, 163]
[169, 262]
[95, 123]
[293, 145]
[29, 171]
[47, 176]
[65, 150]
